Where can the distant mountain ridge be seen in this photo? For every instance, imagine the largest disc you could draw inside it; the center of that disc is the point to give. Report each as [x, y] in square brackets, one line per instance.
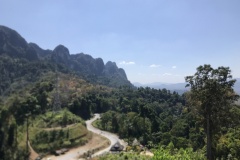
[237, 86]
[178, 87]
[14, 46]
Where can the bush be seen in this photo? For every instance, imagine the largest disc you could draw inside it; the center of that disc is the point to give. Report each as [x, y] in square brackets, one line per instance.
[173, 154]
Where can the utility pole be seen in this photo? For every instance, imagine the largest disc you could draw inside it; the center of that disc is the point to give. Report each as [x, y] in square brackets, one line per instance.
[56, 98]
[56, 101]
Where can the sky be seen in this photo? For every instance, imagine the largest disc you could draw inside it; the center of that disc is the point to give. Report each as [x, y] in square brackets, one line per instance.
[152, 40]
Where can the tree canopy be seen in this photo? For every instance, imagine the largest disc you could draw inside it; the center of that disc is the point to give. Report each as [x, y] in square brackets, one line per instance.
[213, 97]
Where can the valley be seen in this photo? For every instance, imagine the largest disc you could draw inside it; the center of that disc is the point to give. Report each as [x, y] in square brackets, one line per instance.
[50, 98]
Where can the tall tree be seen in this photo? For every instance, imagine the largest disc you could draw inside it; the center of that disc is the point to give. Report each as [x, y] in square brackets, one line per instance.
[212, 90]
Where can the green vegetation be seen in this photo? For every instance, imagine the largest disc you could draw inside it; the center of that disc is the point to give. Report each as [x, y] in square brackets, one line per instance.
[35, 100]
[61, 118]
[159, 117]
[213, 98]
[52, 139]
[171, 153]
[124, 156]
[161, 153]
[204, 120]
[53, 131]
[154, 117]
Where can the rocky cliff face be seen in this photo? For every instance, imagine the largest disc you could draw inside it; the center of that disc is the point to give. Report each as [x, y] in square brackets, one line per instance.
[93, 69]
[41, 53]
[111, 69]
[61, 55]
[12, 44]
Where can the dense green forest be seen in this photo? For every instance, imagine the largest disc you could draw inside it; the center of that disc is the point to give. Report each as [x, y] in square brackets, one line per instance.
[156, 118]
[203, 122]
[202, 119]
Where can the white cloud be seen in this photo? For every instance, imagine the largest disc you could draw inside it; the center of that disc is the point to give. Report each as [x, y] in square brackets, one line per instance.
[155, 66]
[127, 63]
[141, 74]
[167, 74]
[174, 67]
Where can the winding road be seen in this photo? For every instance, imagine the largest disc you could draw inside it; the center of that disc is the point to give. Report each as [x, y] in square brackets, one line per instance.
[112, 137]
[72, 154]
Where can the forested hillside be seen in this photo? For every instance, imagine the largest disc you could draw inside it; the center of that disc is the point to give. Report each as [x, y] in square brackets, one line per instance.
[24, 61]
[28, 86]
[201, 120]
[34, 81]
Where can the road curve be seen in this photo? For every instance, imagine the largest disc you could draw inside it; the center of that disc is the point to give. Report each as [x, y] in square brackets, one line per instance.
[72, 154]
[112, 137]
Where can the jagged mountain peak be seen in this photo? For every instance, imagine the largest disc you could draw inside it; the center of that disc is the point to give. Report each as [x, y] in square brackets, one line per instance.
[111, 64]
[61, 49]
[61, 54]
[92, 69]
[111, 67]
[12, 37]
[14, 45]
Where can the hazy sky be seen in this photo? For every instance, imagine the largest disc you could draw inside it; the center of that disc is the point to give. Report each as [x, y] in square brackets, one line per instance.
[152, 40]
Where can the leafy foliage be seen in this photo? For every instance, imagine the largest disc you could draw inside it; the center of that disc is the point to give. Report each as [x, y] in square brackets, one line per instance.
[124, 156]
[177, 123]
[148, 114]
[213, 96]
[170, 153]
[52, 139]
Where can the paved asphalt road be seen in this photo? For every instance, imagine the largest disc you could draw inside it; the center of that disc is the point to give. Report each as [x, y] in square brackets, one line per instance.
[112, 137]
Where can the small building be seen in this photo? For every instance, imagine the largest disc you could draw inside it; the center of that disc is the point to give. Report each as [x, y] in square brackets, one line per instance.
[58, 152]
[117, 147]
[61, 151]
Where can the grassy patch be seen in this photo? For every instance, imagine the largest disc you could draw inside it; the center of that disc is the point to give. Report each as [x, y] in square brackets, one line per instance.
[50, 140]
[50, 132]
[97, 124]
[61, 118]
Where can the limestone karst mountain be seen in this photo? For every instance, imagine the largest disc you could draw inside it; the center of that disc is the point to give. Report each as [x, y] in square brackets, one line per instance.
[18, 58]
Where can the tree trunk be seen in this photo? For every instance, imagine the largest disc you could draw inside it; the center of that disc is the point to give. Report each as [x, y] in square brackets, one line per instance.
[209, 139]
